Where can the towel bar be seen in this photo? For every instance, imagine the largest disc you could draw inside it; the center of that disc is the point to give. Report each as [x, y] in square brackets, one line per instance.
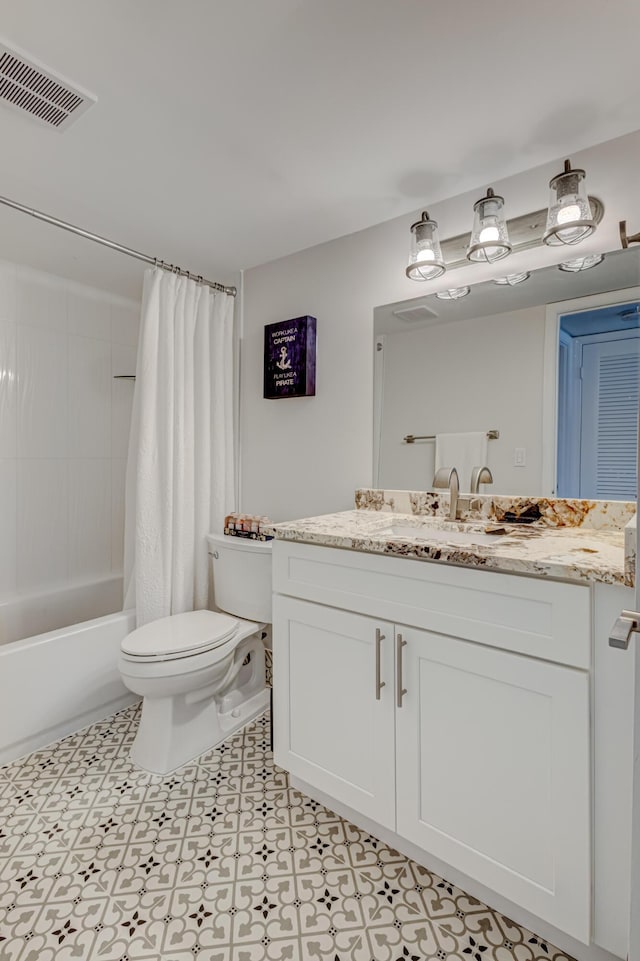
[412, 438]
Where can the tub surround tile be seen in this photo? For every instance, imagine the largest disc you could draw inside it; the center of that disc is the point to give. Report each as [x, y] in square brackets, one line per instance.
[123, 361]
[42, 372]
[89, 316]
[8, 285]
[41, 299]
[125, 324]
[89, 416]
[118, 479]
[8, 389]
[196, 864]
[89, 509]
[42, 526]
[60, 345]
[571, 553]
[8, 527]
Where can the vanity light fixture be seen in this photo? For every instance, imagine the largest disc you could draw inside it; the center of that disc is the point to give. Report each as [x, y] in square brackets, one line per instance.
[581, 263]
[430, 257]
[511, 280]
[425, 260]
[455, 293]
[569, 218]
[489, 237]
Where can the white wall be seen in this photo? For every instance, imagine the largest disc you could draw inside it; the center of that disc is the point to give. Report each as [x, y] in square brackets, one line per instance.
[477, 374]
[64, 424]
[306, 455]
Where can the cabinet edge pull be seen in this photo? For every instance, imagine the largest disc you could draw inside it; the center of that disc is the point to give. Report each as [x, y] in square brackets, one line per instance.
[625, 626]
[401, 691]
[379, 684]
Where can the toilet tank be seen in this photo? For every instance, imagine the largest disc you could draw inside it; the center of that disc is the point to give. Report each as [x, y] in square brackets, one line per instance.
[241, 576]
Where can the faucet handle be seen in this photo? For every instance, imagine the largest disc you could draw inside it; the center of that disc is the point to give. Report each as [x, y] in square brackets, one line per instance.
[442, 477]
[480, 475]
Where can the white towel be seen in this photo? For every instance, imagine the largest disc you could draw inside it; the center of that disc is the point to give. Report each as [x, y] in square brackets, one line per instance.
[463, 451]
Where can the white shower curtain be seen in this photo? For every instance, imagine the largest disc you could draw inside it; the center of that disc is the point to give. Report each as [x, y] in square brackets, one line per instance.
[180, 469]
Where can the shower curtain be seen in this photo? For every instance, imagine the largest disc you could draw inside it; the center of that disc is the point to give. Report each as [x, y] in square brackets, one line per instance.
[180, 469]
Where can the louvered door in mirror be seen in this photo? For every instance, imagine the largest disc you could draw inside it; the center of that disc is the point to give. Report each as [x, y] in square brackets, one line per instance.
[608, 449]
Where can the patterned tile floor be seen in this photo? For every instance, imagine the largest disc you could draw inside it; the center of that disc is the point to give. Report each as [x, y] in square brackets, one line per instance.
[220, 861]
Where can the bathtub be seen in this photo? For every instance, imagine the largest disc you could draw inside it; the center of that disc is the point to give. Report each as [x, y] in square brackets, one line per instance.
[57, 682]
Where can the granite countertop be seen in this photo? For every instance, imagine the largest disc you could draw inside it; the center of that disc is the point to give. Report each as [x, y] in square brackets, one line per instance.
[575, 553]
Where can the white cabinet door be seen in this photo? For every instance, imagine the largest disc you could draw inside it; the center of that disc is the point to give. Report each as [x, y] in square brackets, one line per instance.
[331, 728]
[493, 772]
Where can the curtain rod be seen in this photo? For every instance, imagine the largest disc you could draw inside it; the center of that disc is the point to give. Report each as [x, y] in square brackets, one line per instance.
[231, 291]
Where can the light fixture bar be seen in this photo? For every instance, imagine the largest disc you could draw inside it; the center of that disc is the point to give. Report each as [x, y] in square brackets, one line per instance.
[525, 233]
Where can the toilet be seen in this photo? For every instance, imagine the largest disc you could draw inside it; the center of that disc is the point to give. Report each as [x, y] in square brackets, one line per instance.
[201, 674]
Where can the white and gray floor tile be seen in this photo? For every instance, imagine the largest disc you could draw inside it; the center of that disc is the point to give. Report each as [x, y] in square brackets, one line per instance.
[219, 861]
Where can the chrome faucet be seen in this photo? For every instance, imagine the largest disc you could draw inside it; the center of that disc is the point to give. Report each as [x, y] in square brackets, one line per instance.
[447, 477]
[480, 475]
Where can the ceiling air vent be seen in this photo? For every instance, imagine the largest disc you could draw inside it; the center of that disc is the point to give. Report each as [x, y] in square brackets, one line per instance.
[37, 91]
[415, 315]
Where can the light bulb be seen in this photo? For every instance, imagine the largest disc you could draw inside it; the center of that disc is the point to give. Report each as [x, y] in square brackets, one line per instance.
[489, 233]
[566, 215]
[489, 239]
[425, 254]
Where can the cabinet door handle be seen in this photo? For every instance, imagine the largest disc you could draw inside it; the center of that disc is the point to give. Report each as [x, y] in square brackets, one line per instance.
[379, 684]
[401, 691]
[625, 626]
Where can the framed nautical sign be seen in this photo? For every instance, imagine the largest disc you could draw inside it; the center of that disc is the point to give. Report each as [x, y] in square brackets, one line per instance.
[290, 358]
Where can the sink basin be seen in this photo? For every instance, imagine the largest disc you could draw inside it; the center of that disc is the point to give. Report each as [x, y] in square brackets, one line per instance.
[407, 532]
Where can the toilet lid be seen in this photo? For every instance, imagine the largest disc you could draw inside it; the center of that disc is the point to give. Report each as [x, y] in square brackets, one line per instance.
[180, 634]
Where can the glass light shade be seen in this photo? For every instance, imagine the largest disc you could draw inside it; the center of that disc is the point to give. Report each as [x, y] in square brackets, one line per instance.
[569, 218]
[489, 237]
[455, 293]
[511, 280]
[425, 260]
[581, 263]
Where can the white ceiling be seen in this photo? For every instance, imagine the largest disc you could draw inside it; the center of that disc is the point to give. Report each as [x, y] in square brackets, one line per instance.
[228, 133]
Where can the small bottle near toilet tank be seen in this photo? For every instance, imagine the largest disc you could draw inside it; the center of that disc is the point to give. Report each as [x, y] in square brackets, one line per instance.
[248, 525]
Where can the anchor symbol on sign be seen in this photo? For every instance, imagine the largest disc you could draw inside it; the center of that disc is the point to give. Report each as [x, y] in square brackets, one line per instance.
[284, 363]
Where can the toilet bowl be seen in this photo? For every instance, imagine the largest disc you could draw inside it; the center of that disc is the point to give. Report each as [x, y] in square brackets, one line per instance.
[201, 674]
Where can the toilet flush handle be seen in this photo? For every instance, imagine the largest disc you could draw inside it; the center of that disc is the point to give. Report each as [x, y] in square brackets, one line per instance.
[215, 555]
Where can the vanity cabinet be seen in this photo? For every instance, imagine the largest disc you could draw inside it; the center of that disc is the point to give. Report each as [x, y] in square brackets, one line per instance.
[340, 736]
[484, 761]
[493, 774]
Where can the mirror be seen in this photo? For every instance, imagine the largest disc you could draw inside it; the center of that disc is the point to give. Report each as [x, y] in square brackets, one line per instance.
[508, 359]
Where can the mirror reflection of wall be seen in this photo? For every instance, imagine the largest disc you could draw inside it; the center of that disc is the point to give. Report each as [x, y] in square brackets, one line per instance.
[468, 376]
[492, 361]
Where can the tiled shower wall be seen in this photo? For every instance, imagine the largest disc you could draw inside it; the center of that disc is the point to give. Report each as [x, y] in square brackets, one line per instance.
[64, 424]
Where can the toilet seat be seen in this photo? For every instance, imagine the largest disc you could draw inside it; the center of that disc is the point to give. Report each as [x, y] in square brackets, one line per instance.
[179, 636]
